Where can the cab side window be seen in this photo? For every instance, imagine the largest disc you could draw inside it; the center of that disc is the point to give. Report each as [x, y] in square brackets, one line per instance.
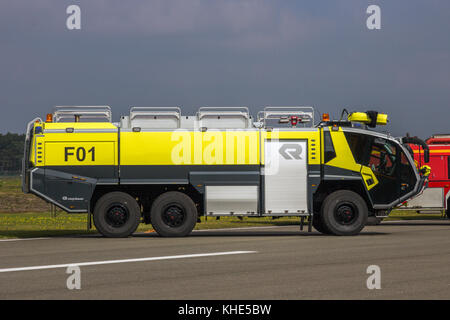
[360, 145]
[383, 157]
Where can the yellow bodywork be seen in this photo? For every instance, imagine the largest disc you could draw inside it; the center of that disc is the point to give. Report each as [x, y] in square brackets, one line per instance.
[238, 147]
[182, 147]
[98, 144]
[179, 147]
[56, 147]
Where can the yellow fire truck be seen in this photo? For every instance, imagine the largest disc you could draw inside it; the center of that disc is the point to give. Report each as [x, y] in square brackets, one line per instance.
[161, 167]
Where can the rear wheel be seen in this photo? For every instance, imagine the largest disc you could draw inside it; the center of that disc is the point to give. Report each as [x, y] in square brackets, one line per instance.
[173, 214]
[344, 213]
[117, 215]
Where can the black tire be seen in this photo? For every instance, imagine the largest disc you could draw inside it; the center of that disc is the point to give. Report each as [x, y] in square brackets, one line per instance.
[173, 214]
[117, 215]
[344, 213]
[318, 224]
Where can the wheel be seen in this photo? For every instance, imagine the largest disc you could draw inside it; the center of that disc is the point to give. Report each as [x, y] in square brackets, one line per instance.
[344, 213]
[117, 215]
[318, 224]
[173, 214]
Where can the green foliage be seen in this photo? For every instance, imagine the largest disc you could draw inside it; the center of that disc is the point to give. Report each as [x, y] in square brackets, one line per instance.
[11, 153]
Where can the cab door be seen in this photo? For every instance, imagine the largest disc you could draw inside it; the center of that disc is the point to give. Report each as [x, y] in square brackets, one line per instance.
[396, 178]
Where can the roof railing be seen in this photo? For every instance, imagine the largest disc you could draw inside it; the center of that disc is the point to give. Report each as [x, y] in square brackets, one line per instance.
[141, 116]
[221, 117]
[76, 113]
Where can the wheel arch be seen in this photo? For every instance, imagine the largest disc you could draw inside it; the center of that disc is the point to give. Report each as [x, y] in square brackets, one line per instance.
[329, 186]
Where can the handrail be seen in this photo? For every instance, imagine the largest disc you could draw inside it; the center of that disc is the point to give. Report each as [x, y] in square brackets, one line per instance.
[26, 153]
[225, 111]
[156, 111]
[203, 112]
[64, 112]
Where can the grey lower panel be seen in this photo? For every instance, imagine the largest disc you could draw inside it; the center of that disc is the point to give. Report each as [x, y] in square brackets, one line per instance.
[229, 200]
[107, 174]
[70, 193]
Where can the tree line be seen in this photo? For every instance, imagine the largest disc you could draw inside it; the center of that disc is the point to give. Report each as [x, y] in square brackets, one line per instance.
[11, 153]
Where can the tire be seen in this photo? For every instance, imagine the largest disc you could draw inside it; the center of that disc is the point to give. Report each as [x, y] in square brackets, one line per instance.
[173, 214]
[318, 224]
[344, 213]
[117, 215]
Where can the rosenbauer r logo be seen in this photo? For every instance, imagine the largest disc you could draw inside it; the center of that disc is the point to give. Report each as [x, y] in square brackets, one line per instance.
[291, 151]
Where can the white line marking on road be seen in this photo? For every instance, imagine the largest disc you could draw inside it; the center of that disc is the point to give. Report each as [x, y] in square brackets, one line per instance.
[24, 239]
[93, 263]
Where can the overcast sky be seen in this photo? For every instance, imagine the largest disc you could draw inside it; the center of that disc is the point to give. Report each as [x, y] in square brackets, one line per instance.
[193, 53]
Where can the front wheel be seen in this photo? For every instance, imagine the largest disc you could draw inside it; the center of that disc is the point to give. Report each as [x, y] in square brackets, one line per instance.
[318, 224]
[344, 213]
[117, 215]
[173, 214]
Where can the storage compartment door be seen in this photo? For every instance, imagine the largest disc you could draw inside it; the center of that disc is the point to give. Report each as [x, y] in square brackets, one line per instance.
[285, 176]
[229, 200]
[429, 198]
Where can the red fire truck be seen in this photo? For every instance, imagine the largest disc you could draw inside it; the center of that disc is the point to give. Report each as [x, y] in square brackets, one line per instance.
[435, 198]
